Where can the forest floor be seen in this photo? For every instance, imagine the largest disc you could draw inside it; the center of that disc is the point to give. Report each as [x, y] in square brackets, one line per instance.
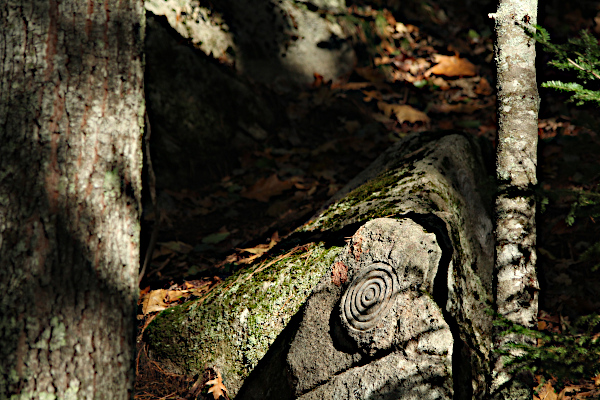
[425, 68]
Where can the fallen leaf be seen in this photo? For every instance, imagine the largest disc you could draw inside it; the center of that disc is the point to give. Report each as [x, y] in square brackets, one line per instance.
[261, 249]
[174, 295]
[339, 273]
[176, 247]
[386, 121]
[547, 392]
[218, 390]
[451, 66]
[402, 112]
[483, 87]
[154, 301]
[370, 95]
[215, 238]
[462, 108]
[266, 188]
[248, 260]
[542, 325]
[441, 83]
[351, 85]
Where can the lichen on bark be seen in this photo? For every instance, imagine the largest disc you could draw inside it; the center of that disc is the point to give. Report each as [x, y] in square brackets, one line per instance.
[517, 287]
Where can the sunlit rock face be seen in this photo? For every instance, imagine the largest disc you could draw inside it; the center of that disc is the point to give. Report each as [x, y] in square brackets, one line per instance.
[384, 325]
[371, 328]
[284, 43]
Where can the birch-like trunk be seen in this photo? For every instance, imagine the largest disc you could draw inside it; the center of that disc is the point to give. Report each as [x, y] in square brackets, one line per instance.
[71, 115]
[516, 289]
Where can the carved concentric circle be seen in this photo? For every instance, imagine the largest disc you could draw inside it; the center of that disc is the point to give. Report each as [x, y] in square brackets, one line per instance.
[369, 297]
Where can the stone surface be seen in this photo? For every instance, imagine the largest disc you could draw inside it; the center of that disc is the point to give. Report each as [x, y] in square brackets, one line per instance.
[434, 186]
[400, 260]
[276, 42]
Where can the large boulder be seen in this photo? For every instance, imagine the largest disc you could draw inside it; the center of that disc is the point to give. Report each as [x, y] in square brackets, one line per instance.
[398, 311]
[271, 41]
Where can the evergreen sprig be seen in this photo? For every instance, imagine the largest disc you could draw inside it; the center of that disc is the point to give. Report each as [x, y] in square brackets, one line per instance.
[570, 355]
[581, 55]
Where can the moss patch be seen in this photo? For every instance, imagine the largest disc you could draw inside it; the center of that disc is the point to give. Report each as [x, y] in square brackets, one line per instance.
[237, 323]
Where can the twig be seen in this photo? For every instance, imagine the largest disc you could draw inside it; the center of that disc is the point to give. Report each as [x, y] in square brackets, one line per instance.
[583, 69]
[152, 189]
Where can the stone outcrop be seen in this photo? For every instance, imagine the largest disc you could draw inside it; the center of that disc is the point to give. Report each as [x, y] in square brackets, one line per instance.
[397, 312]
[276, 42]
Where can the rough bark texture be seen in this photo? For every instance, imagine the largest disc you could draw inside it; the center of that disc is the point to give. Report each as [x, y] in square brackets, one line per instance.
[71, 117]
[516, 293]
[272, 41]
[434, 182]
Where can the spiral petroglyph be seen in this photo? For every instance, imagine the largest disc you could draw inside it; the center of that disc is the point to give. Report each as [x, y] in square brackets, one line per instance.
[369, 297]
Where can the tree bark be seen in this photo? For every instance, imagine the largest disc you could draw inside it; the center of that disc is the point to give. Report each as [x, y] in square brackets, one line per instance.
[71, 119]
[516, 292]
[435, 180]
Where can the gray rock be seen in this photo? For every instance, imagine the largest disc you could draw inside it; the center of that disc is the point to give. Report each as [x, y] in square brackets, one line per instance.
[276, 42]
[386, 316]
[420, 278]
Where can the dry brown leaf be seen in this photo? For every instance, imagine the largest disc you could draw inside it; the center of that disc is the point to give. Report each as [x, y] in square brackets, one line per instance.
[174, 295]
[266, 188]
[371, 94]
[382, 60]
[441, 83]
[263, 248]
[154, 301]
[403, 113]
[259, 250]
[174, 247]
[483, 87]
[451, 66]
[218, 390]
[339, 273]
[248, 260]
[462, 108]
[351, 85]
[547, 392]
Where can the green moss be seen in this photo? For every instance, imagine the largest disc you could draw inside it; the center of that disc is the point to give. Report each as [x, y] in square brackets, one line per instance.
[375, 190]
[237, 323]
[162, 332]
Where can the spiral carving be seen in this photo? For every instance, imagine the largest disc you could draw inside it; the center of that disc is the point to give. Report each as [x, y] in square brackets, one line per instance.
[369, 297]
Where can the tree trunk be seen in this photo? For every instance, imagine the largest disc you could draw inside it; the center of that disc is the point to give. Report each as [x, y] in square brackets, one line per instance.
[516, 293]
[434, 189]
[71, 115]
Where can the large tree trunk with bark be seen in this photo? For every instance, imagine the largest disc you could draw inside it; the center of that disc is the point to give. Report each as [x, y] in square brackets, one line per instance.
[421, 252]
[71, 119]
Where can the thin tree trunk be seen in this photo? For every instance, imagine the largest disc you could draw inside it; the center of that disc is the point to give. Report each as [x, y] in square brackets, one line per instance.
[71, 117]
[516, 292]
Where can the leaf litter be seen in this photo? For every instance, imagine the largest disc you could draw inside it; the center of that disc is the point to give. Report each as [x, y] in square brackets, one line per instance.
[411, 77]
